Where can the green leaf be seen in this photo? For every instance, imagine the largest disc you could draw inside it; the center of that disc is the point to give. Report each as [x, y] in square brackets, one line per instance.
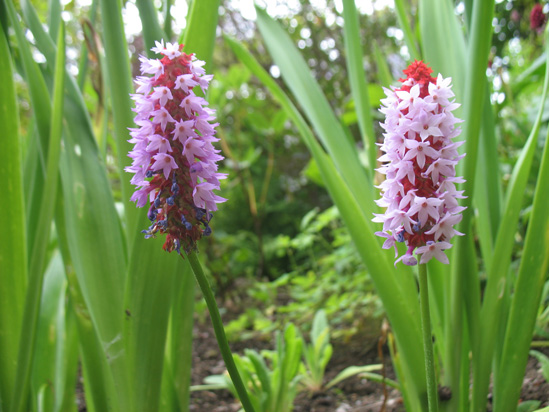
[13, 243]
[528, 406]
[119, 81]
[494, 297]
[351, 371]
[357, 79]
[32, 300]
[544, 361]
[151, 26]
[306, 90]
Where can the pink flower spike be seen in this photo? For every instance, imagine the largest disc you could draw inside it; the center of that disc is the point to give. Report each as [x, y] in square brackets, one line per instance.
[419, 159]
[174, 162]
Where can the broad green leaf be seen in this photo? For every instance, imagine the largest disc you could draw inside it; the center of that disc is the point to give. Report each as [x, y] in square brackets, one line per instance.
[179, 346]
[403, 15]
[42, 116]
[383, 72]
[442, 43]
[50, 334]
[13, 243]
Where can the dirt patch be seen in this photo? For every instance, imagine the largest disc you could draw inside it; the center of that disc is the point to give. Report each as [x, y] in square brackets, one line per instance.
[352, 395]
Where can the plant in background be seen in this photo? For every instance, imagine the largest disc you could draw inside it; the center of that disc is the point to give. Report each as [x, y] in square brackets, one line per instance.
[271, 388]
[318, 353]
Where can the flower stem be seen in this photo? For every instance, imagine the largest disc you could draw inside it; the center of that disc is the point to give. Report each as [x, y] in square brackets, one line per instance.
[432, 395]
[220, 331]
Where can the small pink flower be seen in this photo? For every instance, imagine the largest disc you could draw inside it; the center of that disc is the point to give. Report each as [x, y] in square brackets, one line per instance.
[419, 162]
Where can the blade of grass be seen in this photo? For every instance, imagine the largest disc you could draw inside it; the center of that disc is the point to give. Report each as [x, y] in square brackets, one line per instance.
[13, 247]
[49, 333]
[357, 78]
[403, 16]
[306, 90]
[151, 27]
[42, 115]
[36, 274]
[119, 80]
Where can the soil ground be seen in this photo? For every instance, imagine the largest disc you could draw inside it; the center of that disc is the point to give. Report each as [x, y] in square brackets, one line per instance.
[352, 395]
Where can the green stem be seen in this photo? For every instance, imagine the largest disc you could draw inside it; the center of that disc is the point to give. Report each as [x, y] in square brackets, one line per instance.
[220, 332]
[427, 339]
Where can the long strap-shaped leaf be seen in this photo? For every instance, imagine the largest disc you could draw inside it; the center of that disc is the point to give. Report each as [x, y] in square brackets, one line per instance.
[528, 288]
[497, 272]
[306, 90]
[90, 215]
[36, 268]
[402, 312]
[13, 247]
[120, 86]
[357, 78]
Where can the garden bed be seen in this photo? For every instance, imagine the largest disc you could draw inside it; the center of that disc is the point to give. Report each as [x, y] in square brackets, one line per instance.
[354, 394]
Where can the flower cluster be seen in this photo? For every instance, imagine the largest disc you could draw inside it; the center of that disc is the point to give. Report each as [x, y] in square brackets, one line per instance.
[419, 162]
[537, 18]
[174, 161]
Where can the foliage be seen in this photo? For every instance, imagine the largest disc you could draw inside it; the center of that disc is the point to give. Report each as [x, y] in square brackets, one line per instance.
[271, 389]
[325, 273]
[289, 372]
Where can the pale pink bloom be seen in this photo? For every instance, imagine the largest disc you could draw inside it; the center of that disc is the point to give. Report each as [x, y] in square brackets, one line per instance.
[163, 94]
[433, 249]
[164, 162]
